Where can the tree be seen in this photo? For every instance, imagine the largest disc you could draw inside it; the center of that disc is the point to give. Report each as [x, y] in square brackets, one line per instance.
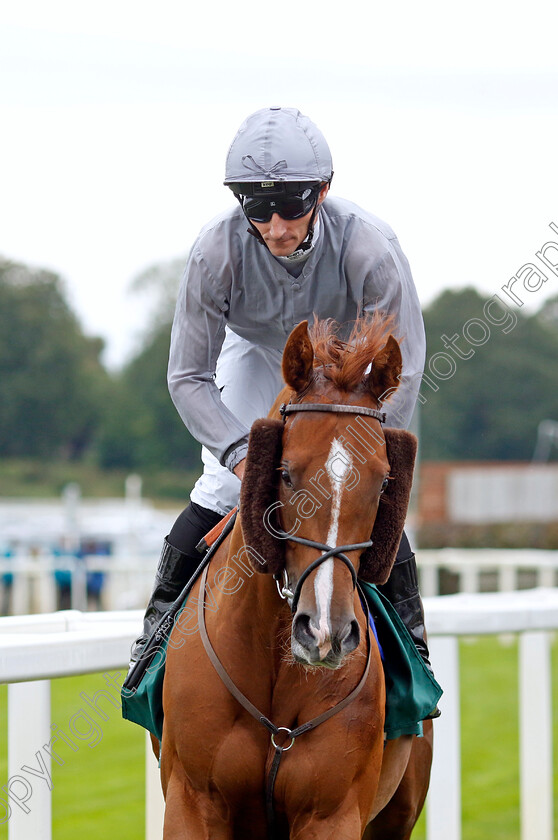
[158, 284]
[51, 380]
[142, 427]
[492, 403]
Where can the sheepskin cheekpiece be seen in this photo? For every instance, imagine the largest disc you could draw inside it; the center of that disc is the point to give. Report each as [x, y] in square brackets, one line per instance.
[259, 490]
[376, 561]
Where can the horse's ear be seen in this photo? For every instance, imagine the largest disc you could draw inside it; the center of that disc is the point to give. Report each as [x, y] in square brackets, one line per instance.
[258, 492]
[386, 370]
[376, 561]
[298, 358]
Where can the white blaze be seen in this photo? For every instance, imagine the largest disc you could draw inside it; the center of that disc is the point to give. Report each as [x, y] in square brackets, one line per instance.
[339, 466]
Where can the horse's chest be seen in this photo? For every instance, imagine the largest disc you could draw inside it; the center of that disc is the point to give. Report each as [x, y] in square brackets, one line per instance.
[223, 748]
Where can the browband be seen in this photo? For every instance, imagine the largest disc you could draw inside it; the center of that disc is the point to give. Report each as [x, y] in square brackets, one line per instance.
[338, 409]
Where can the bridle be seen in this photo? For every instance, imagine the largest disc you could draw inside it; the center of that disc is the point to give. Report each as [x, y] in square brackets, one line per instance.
[291, 408]
[337, 552]
[293, 597]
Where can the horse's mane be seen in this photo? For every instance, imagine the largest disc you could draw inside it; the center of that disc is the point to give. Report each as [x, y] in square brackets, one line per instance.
[344, 361]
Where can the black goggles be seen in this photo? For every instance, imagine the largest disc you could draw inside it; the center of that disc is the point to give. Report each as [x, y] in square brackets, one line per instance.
[259, 209]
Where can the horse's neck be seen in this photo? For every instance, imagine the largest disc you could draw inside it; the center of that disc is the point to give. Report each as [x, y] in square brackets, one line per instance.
[240, 593]
[284, 396]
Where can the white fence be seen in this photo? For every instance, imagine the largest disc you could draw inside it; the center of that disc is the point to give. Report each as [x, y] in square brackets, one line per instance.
[498, 568]
[33, 650]
[38, 648]
[128, 578]
[127, 581]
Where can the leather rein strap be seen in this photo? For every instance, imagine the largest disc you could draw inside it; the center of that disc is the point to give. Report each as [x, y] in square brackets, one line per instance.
[328, 551]
[259, 716]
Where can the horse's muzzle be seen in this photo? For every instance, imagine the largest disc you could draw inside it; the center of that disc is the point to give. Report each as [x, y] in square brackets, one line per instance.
[309, 647]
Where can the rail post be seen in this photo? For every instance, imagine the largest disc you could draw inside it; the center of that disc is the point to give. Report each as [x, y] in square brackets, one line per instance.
[29, 793]
[535, 742]
[443, 805]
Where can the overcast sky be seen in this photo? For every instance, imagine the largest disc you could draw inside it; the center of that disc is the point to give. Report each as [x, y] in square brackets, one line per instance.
[116, 118]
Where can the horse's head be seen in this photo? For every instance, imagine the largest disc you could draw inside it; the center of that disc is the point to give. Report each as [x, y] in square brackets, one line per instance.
[330, 469]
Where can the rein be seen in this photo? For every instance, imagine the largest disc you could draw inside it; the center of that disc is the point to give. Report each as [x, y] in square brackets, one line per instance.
[327, 552]
[263, 719]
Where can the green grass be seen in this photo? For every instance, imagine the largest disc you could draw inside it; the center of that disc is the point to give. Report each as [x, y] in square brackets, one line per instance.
[490, 740]
[490, 744]
[99, 791]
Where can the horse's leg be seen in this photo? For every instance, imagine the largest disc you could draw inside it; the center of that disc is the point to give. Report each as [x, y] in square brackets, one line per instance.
[344, 824]
[193, 821]
[397, 820]
[395, 760]
[209, 813]
[192, 814]
[155, 746]
[199, 816]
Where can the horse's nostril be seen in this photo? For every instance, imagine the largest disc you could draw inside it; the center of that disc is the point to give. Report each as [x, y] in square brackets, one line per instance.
[351, 637]
[302, 631]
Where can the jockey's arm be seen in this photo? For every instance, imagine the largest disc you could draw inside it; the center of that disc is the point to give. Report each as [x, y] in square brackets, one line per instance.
[239, 469]
[390, 289]
[197, 337]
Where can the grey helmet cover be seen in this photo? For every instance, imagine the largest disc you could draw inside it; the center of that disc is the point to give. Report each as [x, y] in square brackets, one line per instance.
[278, 144]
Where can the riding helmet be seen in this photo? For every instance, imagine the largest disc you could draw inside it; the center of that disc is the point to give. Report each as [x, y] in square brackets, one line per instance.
[276, 146]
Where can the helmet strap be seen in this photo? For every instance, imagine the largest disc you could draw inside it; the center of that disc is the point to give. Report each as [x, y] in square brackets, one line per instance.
[306, 243]
[252, 230]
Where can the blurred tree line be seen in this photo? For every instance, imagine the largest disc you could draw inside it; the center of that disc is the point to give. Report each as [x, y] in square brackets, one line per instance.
[52, 385]
[141, 427]
[487, 389]
[57, 400]
[491, 405]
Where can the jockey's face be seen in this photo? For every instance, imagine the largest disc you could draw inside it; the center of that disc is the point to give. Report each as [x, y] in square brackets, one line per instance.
[283, 236]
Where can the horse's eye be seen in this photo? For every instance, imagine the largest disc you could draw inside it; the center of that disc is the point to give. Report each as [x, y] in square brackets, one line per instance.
[286, 478]
[385, 483]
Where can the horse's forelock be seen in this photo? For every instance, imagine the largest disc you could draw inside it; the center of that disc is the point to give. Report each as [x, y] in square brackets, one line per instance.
[345, 361]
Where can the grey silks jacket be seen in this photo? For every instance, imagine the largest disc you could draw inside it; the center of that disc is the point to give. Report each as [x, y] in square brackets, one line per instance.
[231, 279]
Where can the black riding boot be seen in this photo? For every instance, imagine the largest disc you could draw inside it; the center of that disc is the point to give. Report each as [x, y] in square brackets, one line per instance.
[178, 562]
[402, 592]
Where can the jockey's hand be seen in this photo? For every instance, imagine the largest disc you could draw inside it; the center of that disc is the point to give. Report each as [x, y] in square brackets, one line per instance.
[239, 469]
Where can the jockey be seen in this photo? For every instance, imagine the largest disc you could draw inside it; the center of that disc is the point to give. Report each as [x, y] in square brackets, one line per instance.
[304, 254]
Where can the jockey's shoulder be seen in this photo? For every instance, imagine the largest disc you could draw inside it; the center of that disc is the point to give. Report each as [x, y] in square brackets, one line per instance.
[347, 212]
[226, 223]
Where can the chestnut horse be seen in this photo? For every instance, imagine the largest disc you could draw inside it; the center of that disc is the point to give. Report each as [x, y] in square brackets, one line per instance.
[275, 658]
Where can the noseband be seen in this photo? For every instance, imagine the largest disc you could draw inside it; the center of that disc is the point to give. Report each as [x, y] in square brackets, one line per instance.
[336, 551]
[328, 551]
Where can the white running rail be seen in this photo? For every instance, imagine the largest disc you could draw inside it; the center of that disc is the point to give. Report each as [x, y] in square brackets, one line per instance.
[128, 578]
[35, 649]
[471, 565]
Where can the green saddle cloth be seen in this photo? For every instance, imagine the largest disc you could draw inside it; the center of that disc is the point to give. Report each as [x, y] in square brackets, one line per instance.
[412, 693]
